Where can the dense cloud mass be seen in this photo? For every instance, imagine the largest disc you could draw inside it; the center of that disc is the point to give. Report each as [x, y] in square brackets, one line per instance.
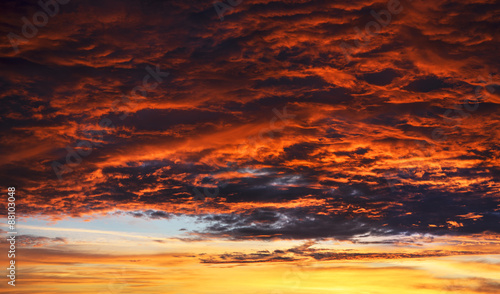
[285, 120]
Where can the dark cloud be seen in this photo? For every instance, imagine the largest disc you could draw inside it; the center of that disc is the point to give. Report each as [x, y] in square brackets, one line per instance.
[36, 241]
[263, 111]
[427, 85]
[305, 253]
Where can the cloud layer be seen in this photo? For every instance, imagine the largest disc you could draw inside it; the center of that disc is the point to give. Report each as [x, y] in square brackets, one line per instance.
[263, 110]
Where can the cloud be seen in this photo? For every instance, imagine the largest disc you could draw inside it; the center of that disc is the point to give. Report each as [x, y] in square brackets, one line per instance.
[305, 253]
[36, 241]
[358, 155]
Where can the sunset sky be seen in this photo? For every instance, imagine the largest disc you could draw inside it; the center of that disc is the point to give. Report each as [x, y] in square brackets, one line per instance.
[251, 146]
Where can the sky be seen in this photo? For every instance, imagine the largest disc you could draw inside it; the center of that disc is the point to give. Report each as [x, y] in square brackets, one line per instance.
[251, 146]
